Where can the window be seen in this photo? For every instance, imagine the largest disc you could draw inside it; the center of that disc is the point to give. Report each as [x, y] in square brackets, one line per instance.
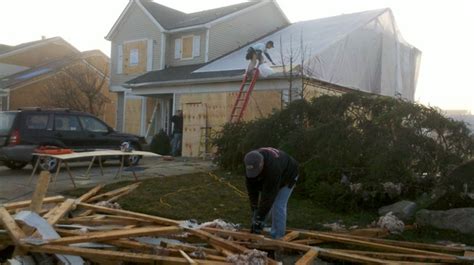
[6, 122]
[187, 51]
[187, 47]
[37, 121]
[133, 57]
[93, 125]
[66, 123]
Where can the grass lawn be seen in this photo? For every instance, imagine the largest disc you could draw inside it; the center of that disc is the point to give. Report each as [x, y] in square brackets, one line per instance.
[205, 197]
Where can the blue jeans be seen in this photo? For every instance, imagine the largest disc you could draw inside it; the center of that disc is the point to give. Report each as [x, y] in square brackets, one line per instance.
[176, 144]
[278, 212]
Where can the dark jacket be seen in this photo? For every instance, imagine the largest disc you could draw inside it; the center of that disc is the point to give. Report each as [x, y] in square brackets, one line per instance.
[177, 120]
[279, 170]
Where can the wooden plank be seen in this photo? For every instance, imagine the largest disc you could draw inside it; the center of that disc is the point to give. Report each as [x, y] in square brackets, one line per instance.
[333, 254]
[406, 244]
[368, 244]
[189, 248]
[185, 256]
[234, 234]
[308, 258]
[155, 219]
[308, 241]
[117, 255]
[468, 253]
[402, 257]
[291, 236]
[40, 191]
[15, 232]
[53, 216]
[86, 196]
[217, 240]
[113, 193]
[23, 204]
[115, 234]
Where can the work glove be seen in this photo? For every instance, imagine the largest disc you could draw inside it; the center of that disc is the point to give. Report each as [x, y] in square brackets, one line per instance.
[257, 227]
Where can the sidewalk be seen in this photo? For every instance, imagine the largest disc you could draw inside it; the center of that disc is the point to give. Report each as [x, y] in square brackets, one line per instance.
[14, 184]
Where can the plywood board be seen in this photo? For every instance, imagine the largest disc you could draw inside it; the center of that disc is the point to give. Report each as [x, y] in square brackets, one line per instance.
[133, 110]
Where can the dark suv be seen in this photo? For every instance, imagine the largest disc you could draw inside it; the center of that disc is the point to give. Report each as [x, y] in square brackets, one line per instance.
[22, 131]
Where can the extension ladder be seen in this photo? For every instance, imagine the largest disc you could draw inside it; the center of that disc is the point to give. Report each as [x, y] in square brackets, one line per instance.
[243, 97]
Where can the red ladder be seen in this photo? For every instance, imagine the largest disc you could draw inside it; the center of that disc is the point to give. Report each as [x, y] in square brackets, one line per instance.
[243, 97]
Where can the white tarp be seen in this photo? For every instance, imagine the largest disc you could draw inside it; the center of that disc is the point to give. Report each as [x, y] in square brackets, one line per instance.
[363, 51]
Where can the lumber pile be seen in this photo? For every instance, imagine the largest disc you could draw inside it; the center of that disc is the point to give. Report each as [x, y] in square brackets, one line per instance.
[79, 231]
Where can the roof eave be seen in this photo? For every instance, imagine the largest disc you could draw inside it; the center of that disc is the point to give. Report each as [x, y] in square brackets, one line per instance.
[194, 81]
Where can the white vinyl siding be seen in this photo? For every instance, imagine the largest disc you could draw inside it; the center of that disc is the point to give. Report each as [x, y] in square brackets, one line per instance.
[119, 59]
[149, 56]
[231, 34]
[135, 26]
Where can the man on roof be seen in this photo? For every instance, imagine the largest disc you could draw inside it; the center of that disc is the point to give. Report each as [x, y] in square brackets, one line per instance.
[254, 53]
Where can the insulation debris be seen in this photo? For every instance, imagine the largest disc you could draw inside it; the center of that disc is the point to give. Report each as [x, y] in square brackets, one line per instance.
[391, 223]
[250, 257]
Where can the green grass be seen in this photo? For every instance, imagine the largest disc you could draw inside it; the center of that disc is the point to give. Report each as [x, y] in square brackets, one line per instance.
[204, 197]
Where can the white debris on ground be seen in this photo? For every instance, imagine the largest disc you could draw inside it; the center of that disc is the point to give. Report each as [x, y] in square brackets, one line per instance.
[391, 223]
[217, 223]
[251, 257]
[111, 205]
[336, 227]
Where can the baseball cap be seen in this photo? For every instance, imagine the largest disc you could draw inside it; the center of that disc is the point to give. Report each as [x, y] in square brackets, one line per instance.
[253, 161]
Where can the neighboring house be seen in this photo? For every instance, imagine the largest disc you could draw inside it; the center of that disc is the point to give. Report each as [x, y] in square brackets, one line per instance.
[27, 70]
[362, 51]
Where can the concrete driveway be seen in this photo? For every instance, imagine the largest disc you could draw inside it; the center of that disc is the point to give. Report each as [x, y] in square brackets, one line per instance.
[15, 186]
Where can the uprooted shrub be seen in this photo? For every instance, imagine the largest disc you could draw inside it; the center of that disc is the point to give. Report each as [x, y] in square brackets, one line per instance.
[373, 142]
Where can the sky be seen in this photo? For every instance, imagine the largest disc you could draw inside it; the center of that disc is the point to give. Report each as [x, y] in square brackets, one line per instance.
[441, 29]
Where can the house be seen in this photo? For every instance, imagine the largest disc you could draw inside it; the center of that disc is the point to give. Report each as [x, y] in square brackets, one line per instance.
[361, 51]
[30, 73]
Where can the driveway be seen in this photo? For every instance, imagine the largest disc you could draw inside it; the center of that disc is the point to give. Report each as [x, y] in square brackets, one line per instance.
[15, 186]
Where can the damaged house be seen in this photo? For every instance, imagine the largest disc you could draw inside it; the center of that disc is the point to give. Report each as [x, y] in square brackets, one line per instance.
[164, 60]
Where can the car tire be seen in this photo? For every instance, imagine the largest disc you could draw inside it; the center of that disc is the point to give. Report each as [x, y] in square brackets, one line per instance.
[15, 165]
[132, 160]
[46, 164]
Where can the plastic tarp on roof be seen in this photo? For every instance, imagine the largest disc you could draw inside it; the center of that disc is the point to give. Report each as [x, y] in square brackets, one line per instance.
[362, 51]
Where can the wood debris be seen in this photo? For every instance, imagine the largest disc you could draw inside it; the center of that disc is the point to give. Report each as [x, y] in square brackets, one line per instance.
[80, 230]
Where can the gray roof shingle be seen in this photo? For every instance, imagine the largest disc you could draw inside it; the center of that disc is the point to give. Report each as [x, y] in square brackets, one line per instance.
[172, 19]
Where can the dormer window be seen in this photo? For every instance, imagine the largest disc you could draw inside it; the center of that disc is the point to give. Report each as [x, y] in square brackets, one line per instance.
[187, 47]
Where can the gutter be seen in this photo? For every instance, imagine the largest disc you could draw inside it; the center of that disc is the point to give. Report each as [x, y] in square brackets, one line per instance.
[194, 81]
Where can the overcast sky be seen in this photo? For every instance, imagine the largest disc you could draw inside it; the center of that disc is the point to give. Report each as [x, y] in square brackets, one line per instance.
[441, 29]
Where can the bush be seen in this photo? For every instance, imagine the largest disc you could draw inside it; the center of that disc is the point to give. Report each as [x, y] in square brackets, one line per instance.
[373, 140]
[160, 144]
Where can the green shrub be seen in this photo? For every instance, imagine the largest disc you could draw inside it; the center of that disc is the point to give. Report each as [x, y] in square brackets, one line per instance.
[371, 139]
[160, 144]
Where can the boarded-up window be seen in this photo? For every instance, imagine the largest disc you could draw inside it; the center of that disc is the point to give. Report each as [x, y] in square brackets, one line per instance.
[133, 57]
[187, 51]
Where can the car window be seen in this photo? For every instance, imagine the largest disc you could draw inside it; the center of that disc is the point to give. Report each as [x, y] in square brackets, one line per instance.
[37, 121]
[66, 123]
[93, 124]
[6, 121]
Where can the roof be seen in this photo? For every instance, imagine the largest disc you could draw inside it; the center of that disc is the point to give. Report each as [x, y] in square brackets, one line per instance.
[334, 50]
[30, 44]
[44, 69]
[171, 19]
[182, 73]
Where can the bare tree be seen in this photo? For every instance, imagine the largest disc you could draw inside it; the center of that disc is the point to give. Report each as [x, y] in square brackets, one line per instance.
[294, 69]
[78, 87]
